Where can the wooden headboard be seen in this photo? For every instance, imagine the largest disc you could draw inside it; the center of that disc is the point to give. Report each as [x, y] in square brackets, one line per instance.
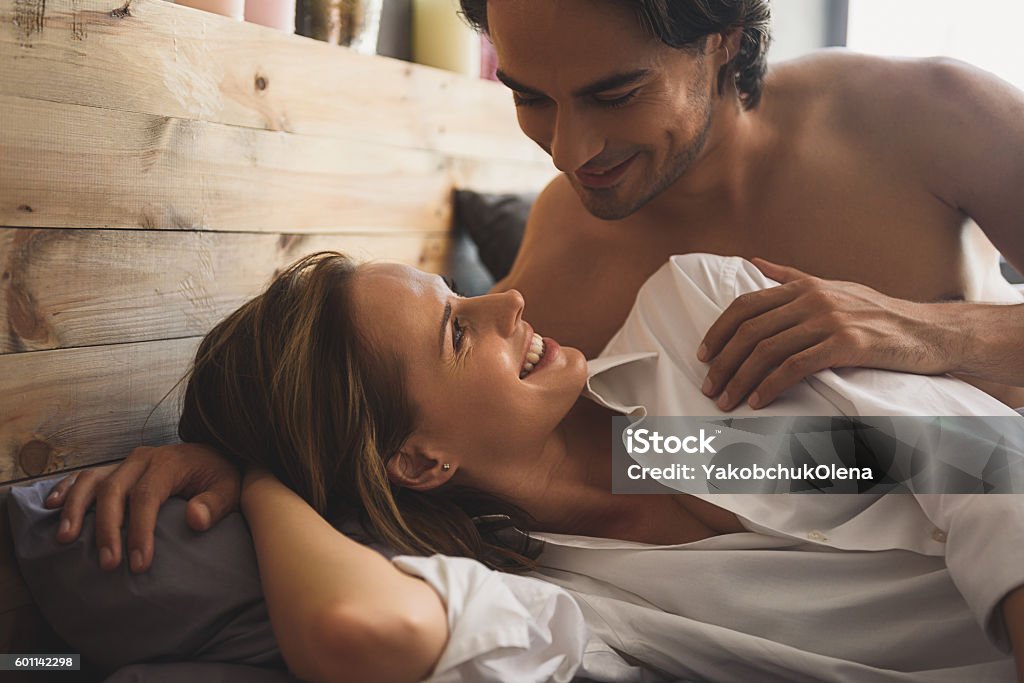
[158, 164]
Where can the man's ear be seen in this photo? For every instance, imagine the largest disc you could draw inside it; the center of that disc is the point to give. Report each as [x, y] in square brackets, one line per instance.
[727, 42]
[731, 43]
[413, 468]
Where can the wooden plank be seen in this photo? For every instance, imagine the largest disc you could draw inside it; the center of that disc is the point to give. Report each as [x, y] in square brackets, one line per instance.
[65, 288]
[160, 58]
[85, 167]
[75, 407]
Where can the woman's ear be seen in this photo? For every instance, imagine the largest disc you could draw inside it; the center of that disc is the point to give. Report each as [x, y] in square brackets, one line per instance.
[415, 469]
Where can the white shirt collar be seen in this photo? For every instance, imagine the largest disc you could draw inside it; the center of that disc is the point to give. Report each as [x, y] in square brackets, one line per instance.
[602, 364]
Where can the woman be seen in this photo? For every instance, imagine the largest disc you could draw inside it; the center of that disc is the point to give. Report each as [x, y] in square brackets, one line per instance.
[378, 390]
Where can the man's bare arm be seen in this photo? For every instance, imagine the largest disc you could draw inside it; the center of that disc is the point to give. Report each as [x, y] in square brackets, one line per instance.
[963, 130]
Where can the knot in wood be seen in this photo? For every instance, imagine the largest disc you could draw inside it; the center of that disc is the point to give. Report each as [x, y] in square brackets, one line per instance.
[34, 457]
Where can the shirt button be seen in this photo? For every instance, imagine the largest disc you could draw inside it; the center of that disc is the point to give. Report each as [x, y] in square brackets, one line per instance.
[939, 535]
[817, 536]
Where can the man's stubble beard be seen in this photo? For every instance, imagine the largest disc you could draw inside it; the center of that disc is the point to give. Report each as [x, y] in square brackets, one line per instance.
[610, 209]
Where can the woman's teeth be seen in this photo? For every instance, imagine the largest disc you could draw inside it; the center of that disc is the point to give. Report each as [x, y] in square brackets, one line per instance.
[533, 356]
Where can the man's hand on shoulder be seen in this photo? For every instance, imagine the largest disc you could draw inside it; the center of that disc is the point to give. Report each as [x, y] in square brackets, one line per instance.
[767, 341]
[144, 481]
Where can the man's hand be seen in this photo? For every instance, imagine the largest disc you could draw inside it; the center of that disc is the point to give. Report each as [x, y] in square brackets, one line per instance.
[1013, 617]
[144, 480]
[767, 341]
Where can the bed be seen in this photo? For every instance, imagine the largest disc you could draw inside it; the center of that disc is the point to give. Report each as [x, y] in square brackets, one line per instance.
[159, 164]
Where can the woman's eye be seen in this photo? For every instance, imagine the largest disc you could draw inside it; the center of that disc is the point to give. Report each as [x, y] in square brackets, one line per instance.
[613, 102]
[458, 333]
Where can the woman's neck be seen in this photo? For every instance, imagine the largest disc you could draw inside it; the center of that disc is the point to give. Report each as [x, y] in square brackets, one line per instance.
[571, 491]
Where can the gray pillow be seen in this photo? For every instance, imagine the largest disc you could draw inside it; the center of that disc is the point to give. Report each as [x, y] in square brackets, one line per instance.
[495, 223]
[201, 601]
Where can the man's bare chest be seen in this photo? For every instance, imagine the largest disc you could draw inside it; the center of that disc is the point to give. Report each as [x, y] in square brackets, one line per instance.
[584, 291]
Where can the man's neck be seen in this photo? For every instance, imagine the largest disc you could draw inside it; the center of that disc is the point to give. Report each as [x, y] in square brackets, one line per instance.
[721, 174]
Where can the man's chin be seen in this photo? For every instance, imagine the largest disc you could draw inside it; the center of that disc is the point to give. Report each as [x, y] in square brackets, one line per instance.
[609, 204]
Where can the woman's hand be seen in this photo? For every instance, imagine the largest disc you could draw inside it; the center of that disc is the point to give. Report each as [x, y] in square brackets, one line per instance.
[143, 481]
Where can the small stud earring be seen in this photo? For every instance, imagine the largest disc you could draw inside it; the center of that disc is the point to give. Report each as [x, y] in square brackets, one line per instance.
[446, 467]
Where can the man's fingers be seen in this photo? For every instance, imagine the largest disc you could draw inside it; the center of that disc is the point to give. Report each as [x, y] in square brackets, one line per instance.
[198, 514]
[777, 272]
[767, 355]
[791, 371]
[152, 489]
[209, 507]
[205, 510]
[746, 341]
[742, 309]
[111, 497]
[77, 494]
[55, 498]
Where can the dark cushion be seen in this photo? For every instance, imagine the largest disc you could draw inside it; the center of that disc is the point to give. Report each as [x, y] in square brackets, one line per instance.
[495, 223]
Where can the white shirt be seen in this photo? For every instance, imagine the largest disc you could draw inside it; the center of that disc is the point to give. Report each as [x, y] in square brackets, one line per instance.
[844, 588]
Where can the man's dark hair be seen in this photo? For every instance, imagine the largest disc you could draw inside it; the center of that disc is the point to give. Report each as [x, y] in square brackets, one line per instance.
[685, 24]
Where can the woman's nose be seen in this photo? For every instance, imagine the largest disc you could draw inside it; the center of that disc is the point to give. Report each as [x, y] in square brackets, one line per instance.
[508, 309]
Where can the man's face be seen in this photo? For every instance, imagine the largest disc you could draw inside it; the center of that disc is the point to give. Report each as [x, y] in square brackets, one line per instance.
[622, 114]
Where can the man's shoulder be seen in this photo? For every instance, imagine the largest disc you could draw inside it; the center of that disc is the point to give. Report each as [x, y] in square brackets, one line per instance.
[866, 95]
[557, 220]
[837, 71]
[551, 229]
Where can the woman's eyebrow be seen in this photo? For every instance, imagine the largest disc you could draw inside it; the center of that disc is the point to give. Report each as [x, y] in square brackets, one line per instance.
[607, 83]
[444, 325]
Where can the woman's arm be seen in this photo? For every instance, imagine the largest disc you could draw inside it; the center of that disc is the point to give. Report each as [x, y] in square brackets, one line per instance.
[340, 611]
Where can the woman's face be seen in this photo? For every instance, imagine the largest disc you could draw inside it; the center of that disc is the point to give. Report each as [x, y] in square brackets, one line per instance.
[463, 362]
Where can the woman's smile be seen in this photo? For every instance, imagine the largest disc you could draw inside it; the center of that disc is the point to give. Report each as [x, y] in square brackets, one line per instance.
[550, 351]
[534, 352]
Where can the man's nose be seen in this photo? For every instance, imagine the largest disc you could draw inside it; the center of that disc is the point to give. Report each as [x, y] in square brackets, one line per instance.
[574, 142]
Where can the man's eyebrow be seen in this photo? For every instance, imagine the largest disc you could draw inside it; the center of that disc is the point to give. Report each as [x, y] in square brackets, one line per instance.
[444, 325]
[513, 84]
[612, 82]
[607, 83]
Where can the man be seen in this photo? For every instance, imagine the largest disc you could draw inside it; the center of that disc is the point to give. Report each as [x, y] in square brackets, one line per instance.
[672, 138]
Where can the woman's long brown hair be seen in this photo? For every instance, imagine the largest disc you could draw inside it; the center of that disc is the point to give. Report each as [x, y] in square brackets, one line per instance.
[288, 383]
